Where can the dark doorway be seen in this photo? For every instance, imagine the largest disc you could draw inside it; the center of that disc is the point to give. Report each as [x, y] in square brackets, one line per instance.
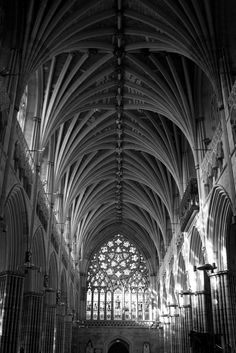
[118, 347]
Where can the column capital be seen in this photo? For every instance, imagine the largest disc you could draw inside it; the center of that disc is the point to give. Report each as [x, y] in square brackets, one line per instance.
[37, 119]
[219, 273]
[34, 294]
[51, 163]
[12, 273]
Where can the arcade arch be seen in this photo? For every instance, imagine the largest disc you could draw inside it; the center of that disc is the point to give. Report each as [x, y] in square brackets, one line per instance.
[118, 346]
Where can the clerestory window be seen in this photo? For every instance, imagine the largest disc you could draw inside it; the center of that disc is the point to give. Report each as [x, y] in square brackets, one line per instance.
[118, 283]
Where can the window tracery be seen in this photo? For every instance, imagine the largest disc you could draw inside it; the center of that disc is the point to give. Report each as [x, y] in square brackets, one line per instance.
[118, 283]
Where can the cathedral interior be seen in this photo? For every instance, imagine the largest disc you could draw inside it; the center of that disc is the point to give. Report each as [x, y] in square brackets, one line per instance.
[117, 176]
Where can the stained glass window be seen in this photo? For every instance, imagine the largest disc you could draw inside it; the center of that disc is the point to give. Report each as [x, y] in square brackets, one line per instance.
[118, 283]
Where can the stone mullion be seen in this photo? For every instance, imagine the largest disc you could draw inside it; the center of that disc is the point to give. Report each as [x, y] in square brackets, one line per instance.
[137, 304]
[11, 292]
[130, 302]
[151, 307]
[143, 306]
[105, 304]
[123, 304]
[99, 292]
[32, 322]
[92, 297]
[112, 305]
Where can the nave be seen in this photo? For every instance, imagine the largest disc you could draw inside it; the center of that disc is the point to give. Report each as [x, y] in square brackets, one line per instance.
[117, 176]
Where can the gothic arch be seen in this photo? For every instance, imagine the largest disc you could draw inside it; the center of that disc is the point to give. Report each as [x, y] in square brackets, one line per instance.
[14, 243]
[164, 295]
[219, 220]
[71, 298]
[118, 339]
[172, 289]
[118, 282]
[77, 303]
[139, 240]
[53, 272]
[182, 275]
[38, 257]
[196, 258]
[64, 288]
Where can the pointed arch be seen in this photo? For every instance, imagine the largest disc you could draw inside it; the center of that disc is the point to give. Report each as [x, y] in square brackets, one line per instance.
[71, 298]
[14, 243]
[196, 258]
[172, 290]
[118, 282]
[182, 275]
[53, 272]
[219, 220]
[119, 342]
[38, 257]
[64, 289]
[164, 296]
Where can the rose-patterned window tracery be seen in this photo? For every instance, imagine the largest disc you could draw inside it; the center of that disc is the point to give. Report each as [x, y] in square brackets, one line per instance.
[118, 283]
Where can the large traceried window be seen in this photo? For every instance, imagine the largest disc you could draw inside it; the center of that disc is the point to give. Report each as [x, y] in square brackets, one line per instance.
[118, 283]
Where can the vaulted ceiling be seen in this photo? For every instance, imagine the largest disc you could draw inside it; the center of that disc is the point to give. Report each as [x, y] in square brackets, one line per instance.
[117, 85]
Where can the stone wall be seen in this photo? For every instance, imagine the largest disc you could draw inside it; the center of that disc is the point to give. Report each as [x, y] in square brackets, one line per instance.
[101, 338]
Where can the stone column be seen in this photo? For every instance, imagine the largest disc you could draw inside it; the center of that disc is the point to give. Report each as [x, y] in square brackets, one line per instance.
[11, 296]
[200, 312]
[32, 322]
[223, 310]
[181, 330]
[82, 297]
[60, 328]
[49, 323]
[177, 334]
[232, 293]
[186, 327]
[167, 335]
[68, 333]
[172, 334]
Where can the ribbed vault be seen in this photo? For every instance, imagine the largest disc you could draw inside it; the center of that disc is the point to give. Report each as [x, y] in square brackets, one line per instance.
[118, 84]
